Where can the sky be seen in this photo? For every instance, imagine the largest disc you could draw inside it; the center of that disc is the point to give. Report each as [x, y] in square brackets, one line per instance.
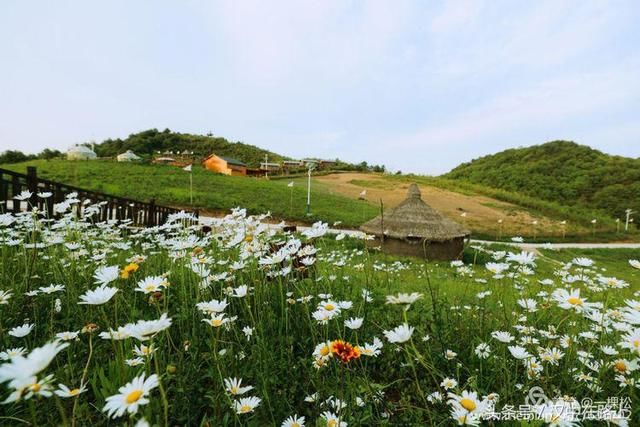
[418, 86]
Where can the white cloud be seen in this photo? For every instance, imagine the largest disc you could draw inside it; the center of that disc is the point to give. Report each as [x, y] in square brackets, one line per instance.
[544, 105]
[455, 15]
[417, 85]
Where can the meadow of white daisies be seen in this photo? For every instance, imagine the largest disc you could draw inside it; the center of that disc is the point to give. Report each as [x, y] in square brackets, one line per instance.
[243, 324]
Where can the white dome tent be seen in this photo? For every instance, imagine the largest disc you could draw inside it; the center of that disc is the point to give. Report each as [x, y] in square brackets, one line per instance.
[128, 156]
[80, 152]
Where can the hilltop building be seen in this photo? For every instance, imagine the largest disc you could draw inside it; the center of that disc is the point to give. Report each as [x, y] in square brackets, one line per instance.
[164, 160]
[225, 165]
[177, 158]
[292, 164]
[128, 156]
[81, 152]
[414, 228]
[318, 163]
[270, 167]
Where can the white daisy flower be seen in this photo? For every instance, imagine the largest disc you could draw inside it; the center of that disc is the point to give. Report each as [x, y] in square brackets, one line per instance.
[131, 396]
[399, 334]
[246, 404]
[98, 296]
[21, 331]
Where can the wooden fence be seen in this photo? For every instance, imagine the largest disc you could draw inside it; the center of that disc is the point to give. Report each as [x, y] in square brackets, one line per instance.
[113, 208]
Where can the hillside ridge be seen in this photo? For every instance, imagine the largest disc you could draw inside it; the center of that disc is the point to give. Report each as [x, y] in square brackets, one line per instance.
[152, 141]
[560, 171]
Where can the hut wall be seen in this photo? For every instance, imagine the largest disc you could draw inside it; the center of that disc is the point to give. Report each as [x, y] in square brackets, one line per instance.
[449, 250]
[237, 170]
[216, 164]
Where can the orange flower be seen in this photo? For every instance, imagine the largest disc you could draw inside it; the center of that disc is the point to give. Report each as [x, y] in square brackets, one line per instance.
[344, 351]
[131, 268]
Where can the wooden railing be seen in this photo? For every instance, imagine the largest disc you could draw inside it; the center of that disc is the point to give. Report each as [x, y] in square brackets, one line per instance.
[113, 207]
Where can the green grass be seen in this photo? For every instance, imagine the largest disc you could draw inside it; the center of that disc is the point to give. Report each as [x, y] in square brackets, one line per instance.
[213, 192]
[170, 186]
[192, 358]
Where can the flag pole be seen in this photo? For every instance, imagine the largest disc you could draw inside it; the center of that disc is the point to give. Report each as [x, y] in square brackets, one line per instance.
[291, 198]
[189, 168]
[310, 166]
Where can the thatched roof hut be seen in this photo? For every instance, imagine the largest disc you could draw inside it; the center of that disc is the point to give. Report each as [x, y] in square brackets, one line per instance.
[415, 228]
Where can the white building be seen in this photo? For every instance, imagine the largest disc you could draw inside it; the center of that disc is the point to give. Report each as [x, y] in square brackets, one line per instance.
[128, 156]
[80, 152]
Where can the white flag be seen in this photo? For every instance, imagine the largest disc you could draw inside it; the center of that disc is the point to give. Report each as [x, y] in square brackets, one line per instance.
[187, 168]
[290, 184]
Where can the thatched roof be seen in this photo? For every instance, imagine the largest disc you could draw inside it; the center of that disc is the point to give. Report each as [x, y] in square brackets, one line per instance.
[414, 218]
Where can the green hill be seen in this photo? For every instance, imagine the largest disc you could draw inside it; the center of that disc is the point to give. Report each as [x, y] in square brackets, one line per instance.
[148, 142]
[560, 171]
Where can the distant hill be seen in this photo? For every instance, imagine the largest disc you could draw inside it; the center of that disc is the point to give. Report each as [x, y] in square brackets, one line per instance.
[150, 141]
[560, 171]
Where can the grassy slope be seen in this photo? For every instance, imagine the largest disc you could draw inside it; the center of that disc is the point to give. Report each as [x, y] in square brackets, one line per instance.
[579, 218]
[560, 171]
[579, 215]
[170, 186]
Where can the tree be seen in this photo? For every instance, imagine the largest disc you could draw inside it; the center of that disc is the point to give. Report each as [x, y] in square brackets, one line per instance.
[48, 154]
[15, 156]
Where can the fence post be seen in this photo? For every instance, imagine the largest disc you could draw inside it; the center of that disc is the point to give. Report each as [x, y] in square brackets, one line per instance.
[4, 194]
[15, 190]
[151, 220]
[32, 185]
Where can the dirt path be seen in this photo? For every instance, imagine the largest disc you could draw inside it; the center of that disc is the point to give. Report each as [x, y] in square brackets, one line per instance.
[481, 213]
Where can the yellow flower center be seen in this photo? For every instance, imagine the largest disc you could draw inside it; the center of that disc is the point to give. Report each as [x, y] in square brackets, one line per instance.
[329, 307]
[574, 301]
[134, 396]
[35, 387]
[332, 423]
[324, 351]
[468, 404]
[620, 366]
[248, 238]
[216, 322]
[234, 390]
[74, 392]
[295, 425]
[245, 408]
[150, 287]
[636, 343]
